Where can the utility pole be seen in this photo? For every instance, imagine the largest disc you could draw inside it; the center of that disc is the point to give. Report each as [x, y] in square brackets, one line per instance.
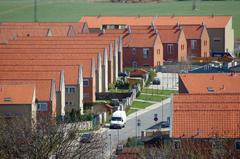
[35, 10]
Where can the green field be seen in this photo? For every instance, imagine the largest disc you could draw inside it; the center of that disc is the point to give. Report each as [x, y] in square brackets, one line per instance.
[72, 10]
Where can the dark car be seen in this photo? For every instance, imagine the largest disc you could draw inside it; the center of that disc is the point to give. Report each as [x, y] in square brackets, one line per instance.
[122, 74]
[86, 138]
[156, 81]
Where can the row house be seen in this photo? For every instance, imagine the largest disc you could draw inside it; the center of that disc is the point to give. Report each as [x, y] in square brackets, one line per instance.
[44, 103]
[46, 97]
[219, 28]
[79, 79]
[18, 101]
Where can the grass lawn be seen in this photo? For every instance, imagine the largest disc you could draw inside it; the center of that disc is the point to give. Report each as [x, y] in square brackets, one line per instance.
[157, 91]
[151, 97]
[72, 10]
[139, 105]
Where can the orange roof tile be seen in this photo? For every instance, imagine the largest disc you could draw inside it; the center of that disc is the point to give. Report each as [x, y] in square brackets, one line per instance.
[193, 31]
[139, 40]
[98, 21]
[209, 21]
[138, 72]
[16, 94]
[218, 82]
[31, 75]
[169, 35]
[206, 116]
[43, 87]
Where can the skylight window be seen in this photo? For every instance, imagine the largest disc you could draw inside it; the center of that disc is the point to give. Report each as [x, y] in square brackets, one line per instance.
[210, 89]
[7, 99]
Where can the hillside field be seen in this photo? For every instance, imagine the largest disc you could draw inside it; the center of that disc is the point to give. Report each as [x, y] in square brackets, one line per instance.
[72, 10]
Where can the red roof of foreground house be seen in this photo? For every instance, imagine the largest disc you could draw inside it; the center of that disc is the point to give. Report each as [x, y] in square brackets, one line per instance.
[206, 116]
[211, 83]
[16, 94]
[209, 21]
[139, 40]
[169, 35]
[43, 87]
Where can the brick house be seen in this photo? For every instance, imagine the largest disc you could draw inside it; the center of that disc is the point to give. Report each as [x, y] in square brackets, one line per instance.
[174, 44]
[18, 101]
[38, 76]
[197, 40]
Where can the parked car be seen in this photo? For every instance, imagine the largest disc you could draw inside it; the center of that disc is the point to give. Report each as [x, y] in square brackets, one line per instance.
[118, 119]
[86, 138]
[156, 81]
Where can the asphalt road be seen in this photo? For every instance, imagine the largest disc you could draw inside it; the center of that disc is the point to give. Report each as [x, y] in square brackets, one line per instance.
[131, 129]
[168, 81]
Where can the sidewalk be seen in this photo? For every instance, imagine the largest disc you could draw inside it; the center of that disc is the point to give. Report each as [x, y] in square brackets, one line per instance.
[148, 101]
[154, 106]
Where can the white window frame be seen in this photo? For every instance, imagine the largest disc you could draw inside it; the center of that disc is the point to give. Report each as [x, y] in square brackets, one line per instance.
[170, 48]
[42, 107]
[68, 89]
[175, 142]
[86, 80]
[237, 141]
[146, 52]
[193, 44]
[69, 103]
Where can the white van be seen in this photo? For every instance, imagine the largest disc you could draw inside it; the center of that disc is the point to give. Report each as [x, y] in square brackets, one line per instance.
[118, 119]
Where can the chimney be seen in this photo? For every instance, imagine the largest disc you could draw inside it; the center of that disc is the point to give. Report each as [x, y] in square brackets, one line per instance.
[129, 29]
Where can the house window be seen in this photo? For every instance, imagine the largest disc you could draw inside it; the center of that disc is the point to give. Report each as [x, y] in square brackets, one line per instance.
[69, 103]
[158, 51]
[237, 144]
[170, 48]
[217, 39]
[177, 144]
[193, 44]
[145, 53]
[134, 64]
[146, 65]
[42, 107]
[205, 42]
[134, 51]
[85, 82]
[70, 90]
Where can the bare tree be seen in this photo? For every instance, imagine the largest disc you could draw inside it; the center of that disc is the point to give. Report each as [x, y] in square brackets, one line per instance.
[46, 139]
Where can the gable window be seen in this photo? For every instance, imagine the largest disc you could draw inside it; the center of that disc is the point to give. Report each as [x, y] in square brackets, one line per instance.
[170, 48]
[42, 107]
[70, 90]
[85, 82]
[145, 53]
[193, 44]
[134, 51]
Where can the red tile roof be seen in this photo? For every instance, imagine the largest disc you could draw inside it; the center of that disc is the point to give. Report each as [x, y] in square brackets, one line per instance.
[206, 116]
[138, 72]
[193, 31]
[16, 94]
[169, 35]
[98, 21]
[43, 87]
[209, 21]
[219, 82]
[31, 75]
[139, 40]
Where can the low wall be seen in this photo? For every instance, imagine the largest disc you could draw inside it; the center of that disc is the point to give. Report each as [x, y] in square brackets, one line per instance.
[110, 96]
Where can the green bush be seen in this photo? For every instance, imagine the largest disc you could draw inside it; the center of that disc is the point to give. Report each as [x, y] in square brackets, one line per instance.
[122, 85]
[75, 116]
[151, 76]
[138, 94]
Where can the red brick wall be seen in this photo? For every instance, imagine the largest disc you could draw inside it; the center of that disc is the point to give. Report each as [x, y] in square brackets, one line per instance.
[129, 57]
[90, 91]
[173, 56]
[194, 52]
